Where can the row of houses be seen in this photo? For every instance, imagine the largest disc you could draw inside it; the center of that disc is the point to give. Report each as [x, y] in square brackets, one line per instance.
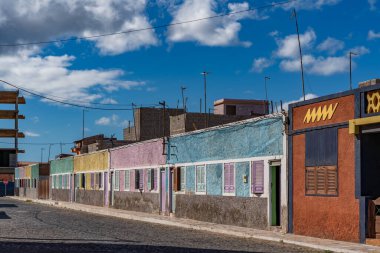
[313, 172]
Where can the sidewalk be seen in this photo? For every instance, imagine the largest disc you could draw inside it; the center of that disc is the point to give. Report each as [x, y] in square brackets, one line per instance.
[315, 243]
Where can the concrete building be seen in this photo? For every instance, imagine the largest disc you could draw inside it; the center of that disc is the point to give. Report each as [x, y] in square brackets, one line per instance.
[149, 123]
[8, 155]
[241, 107]
[334, 165]
[32, 181]
[62, 179]
[96, 143]
[233, 174]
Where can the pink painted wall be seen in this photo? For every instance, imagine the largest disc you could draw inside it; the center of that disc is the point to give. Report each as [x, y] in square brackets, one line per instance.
[136, 155]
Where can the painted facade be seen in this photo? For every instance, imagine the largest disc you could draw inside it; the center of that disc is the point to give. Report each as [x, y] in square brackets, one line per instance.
[32, 181]
[61, 178]
[224, 174]
[90, 178]
[333, 166]
[135, 173]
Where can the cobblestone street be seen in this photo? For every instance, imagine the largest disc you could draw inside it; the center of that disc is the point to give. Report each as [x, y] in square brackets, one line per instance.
[29, 227]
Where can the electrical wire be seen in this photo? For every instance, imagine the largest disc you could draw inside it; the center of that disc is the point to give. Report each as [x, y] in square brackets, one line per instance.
[147, 28]
[39, 143]
[63, 102]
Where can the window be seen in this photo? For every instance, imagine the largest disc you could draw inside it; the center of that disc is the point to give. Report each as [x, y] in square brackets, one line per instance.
[322, 180]
[321, 172]
[151, 182]
[257, 177]
[141, 180]
[117, 180]
[82, 180]
[138, 179]
[229, 178]
[92, 181]
[101, 178]
[182, 179]
[200, 178]
[98, 181]
[179, 179]
[127, 180]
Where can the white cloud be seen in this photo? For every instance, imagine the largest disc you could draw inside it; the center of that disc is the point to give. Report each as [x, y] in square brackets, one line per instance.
[331, 45]
[372, 5]
[53, 76]
[31, 134]
[103, 121]
[35, 119]
[109, 101]
[260, 64]
[288, 46]
[211, 32]
[41, 20]
[373, 35]
[310, 4]
[359, 50]
[308, 96]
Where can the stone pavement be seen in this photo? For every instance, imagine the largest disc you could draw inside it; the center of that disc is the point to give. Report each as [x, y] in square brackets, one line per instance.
[311, 242]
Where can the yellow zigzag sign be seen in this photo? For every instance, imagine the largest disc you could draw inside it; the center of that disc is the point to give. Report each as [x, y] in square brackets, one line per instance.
[320, 113]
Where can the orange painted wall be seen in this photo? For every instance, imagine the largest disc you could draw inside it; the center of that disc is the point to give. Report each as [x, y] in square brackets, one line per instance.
[343, 113]
[327, 217]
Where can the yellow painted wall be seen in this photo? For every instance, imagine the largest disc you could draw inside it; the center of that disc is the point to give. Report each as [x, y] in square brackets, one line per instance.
[88, 181]
[28, 171]
[91, 162]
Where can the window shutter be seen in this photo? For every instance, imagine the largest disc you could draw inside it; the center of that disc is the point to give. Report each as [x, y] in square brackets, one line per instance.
[226, 178]
[149, 180]
[121, 179]
[153, 179]
[321, 180]
[232, 177]
[137, 179]
[311, 179]
[175, 179]
[332, 180]
[178, 177]
[257, 179]
[141, 179]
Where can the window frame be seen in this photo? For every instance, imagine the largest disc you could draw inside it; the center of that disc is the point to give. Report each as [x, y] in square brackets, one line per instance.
[129, 180]
[196, 180]
[234, 181]
[182, 189]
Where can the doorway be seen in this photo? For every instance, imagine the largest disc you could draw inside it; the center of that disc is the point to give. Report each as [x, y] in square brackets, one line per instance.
[275, 203]
[163, 191]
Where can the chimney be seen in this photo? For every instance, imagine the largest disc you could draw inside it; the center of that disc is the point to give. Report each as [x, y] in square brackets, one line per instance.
[369, 82]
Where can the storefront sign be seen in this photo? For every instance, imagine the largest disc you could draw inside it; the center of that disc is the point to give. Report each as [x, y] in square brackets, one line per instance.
[323, 112]
[373, 102]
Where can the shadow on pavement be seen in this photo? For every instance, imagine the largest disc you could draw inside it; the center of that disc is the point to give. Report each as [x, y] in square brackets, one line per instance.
[7, 205]
[4, 216]
[41, 247]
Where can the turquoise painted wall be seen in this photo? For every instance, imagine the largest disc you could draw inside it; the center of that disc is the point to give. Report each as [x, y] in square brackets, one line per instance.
[214, 177]
[65, 165]
[252, 139]
[34, 171]
[242, 189]
[190, 178]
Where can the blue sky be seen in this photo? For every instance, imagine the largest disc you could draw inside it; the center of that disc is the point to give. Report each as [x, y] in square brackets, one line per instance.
[150, 66]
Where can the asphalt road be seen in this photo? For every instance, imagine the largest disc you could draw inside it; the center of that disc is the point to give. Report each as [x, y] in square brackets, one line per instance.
[28, 227]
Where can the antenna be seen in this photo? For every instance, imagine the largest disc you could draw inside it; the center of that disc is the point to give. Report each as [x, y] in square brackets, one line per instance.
[294, 14]
[205, 73]
[183, 88]
[351, 54]
[266, 91]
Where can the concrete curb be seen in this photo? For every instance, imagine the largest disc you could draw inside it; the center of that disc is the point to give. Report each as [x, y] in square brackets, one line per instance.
[303, 241]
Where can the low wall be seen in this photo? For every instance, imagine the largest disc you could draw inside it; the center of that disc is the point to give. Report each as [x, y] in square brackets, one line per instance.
[238, 211]
[89, 197]
[60, 194]
[31, 193]
[136, 201]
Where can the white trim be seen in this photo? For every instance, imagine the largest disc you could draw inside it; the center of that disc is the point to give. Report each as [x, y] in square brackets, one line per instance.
[55, 174]
[229, 193]
[257, 158]
[140, 167]
[89, 171]
[205, 179]
[118, 188]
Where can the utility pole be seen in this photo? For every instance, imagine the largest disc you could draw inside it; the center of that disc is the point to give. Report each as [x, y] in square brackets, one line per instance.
[42, 152]
[205, 73]
[294, 14]
[163, 103]
[266, 90]
[49, 151]
[134, 120]
[183, 88]
[83, 123]
[60, 144]
[351, 54]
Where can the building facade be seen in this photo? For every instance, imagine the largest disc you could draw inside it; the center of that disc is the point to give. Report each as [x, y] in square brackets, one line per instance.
[62, 179]
[334, 166]
[32, 181]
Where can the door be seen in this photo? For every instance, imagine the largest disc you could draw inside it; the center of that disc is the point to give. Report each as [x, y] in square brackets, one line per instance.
[105, 182]
[275, 195]
[73, 183]
[163, 191]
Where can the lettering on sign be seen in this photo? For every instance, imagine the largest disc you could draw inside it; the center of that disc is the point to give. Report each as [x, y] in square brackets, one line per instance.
[373, 102]
[320, 113]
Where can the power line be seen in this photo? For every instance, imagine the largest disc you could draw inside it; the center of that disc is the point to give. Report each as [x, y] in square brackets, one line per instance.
[147, 28]
[63, 102]
[39, 143]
